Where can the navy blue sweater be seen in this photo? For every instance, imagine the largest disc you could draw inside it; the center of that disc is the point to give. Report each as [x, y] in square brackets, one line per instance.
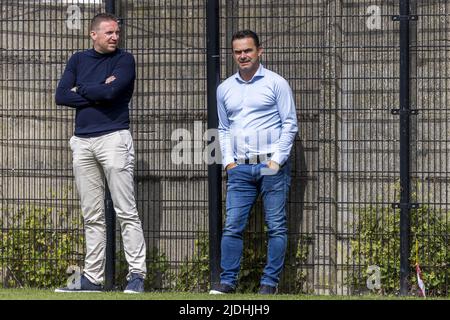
[100, 108]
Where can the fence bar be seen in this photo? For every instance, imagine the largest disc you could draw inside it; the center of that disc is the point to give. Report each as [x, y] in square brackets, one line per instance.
[110, 6]
[110, 215]
[405, 153]
[214, 170]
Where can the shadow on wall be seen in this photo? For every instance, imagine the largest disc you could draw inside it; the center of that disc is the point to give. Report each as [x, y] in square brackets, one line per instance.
[148, 201]
[293, 279]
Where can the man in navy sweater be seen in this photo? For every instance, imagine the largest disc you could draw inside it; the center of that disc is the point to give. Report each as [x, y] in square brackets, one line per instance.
[99, 84]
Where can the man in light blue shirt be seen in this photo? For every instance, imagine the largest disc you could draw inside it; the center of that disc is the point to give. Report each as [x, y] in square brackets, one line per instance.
[257, 128]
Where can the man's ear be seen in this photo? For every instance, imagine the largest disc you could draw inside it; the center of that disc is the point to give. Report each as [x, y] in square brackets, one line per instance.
[93, 35]
[260, 51]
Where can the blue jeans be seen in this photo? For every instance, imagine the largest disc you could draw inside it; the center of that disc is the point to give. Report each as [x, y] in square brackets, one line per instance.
[245, 183]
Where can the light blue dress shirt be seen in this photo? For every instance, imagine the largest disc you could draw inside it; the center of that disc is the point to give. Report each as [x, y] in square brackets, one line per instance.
[256, 117]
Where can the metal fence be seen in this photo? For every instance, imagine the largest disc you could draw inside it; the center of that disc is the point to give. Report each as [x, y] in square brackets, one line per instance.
[341, 59]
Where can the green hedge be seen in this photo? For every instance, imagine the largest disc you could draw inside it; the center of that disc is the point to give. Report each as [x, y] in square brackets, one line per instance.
[377, 242]
[35, 251]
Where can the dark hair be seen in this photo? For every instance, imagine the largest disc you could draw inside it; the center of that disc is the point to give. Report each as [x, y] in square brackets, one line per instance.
[99, 18]
[246, 34]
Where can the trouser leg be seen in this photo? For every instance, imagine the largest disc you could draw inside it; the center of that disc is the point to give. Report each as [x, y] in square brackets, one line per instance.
[89, 180]
[241, 195]
[115, 152]
[274, 192]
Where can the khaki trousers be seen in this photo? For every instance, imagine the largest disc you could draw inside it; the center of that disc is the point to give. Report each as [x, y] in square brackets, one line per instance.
[109, 156]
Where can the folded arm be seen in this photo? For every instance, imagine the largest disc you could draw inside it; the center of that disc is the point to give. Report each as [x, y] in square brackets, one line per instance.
[120, 80]
[65, 93]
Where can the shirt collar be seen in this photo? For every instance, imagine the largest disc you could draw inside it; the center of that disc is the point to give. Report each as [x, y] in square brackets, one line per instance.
[258, 74]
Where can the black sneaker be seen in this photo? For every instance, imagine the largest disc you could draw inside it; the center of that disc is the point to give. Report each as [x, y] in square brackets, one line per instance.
[83, 286]
[266, 289]
[135, 284]
[222, 289]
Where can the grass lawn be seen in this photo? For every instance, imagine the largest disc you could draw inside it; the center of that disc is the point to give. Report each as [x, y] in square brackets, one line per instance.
[37, 294]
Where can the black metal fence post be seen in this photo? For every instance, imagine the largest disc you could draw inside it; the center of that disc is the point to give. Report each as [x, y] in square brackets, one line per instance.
[110, 214]
[214, 170]
[405, 151]
[110, 259]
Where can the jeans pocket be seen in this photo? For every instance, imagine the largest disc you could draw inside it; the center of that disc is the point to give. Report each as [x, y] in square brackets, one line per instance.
[232, 169]
[266, 171]
[230, 172]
